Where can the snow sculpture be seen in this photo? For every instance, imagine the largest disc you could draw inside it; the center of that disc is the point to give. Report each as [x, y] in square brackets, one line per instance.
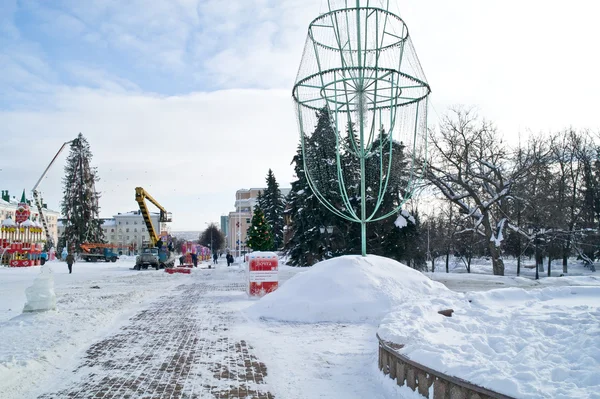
[360, 96]
[41, 296]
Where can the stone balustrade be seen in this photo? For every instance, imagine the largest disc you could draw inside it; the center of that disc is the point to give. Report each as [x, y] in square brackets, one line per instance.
[426, 381]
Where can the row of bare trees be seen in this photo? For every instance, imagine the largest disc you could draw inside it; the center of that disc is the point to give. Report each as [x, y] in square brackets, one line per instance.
[539, 197]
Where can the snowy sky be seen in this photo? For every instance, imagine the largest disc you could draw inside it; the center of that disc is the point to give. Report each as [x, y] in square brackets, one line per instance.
[191, 99]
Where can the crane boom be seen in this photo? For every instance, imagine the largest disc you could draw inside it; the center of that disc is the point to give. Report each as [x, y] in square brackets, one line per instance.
[36, 195]
[140, 196]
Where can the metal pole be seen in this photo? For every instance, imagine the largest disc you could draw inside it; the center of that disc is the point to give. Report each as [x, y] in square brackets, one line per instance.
[239, 233]
[537, 266]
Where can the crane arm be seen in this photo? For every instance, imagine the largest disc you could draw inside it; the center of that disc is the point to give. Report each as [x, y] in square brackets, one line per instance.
[51, 162]
[36, 196]
[140, 196]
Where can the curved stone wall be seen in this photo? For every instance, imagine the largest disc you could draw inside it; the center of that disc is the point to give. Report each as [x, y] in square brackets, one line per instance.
[428, 382]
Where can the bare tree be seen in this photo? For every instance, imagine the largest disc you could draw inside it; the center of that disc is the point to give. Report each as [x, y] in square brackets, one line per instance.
[212, 238]
[473, 169]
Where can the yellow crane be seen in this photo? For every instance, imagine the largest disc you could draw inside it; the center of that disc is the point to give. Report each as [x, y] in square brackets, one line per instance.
[141, 196]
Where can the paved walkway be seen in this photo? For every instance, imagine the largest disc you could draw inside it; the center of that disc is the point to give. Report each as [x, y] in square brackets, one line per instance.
[179, 347]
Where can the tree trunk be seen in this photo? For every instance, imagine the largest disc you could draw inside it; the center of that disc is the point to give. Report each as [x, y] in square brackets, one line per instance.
[469, 263]
[432, 264]
[447, 261]
[549, 265]
[565, 255]
[497, 263]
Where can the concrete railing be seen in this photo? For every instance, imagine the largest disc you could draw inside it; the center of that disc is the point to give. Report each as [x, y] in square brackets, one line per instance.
[422, 379]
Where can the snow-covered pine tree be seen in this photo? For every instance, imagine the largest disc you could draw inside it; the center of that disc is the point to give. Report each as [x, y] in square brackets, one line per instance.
[260, 235]
[272, 203]
[79, 205]
[307, 245]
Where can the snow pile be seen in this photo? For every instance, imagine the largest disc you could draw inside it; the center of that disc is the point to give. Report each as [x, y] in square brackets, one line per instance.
[403, 218]
[527, 344]
[40, 296]
[347, 289]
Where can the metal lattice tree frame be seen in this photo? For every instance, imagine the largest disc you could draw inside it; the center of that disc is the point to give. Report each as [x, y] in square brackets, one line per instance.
[360, 70]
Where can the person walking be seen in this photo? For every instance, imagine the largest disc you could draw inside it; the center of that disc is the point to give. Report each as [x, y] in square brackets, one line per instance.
[43, 258]
[70, 260]
[195, 259]
[215, 258]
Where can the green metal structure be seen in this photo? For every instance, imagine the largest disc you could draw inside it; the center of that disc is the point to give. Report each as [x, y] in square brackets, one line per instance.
[360, 69]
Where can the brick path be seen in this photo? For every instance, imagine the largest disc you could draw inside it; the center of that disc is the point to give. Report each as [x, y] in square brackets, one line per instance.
[177, 348]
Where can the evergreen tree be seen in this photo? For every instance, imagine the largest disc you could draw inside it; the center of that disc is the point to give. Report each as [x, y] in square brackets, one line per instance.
[271, 202]
[307, 214]
[260, 235]
[80, 198]
[305, 247]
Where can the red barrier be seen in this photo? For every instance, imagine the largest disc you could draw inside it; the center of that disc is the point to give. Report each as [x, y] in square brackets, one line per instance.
[179, 270]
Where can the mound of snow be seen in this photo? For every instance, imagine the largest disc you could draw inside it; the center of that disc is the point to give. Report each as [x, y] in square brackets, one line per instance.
[527, 344]
[347, 289]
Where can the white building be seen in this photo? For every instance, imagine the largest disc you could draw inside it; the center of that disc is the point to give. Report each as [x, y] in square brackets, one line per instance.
[241, 219]
[8, 206]
[130, 230]
[127, 230]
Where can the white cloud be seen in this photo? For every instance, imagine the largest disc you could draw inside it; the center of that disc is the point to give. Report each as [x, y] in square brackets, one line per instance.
[190, 152]
[526, 65]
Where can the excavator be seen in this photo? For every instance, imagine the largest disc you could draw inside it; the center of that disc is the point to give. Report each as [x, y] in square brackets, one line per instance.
[155, 254]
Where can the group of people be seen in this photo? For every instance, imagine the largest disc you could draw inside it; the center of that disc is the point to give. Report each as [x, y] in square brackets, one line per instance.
[215, 257]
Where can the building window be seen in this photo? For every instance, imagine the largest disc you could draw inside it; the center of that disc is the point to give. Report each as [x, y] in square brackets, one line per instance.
[120, 237]
[112, 230]
[143, 230]
[119, 222]
[135, 222]
[135, 230]
[127, 230]
[247, 220]
[112, 237]
[127, 238]
[126, 222]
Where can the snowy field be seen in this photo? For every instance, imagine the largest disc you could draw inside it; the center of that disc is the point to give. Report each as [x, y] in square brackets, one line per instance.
[91, 302]
[316, 334]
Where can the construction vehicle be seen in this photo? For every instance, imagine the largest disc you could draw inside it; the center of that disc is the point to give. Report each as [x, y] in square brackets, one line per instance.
[38, 199]
[94, 252]
[156, 254]
[148, 257]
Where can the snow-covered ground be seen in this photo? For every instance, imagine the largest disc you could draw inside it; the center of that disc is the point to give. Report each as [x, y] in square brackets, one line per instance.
[316, 333]
[91, 302]
[534, 343]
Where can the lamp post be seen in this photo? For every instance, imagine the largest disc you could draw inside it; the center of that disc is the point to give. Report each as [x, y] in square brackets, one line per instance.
[208, 226]
[329, 230]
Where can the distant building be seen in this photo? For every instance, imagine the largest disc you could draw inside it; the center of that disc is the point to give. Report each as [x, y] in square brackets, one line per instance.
[8, 206]
[241, 219]
[225, 224]
[126, 230]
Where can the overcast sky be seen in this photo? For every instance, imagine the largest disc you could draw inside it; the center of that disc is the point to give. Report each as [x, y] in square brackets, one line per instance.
[191, 99]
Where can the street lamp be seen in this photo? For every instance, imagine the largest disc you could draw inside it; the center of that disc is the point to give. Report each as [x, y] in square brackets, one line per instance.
[211, 235]
[329, 230]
